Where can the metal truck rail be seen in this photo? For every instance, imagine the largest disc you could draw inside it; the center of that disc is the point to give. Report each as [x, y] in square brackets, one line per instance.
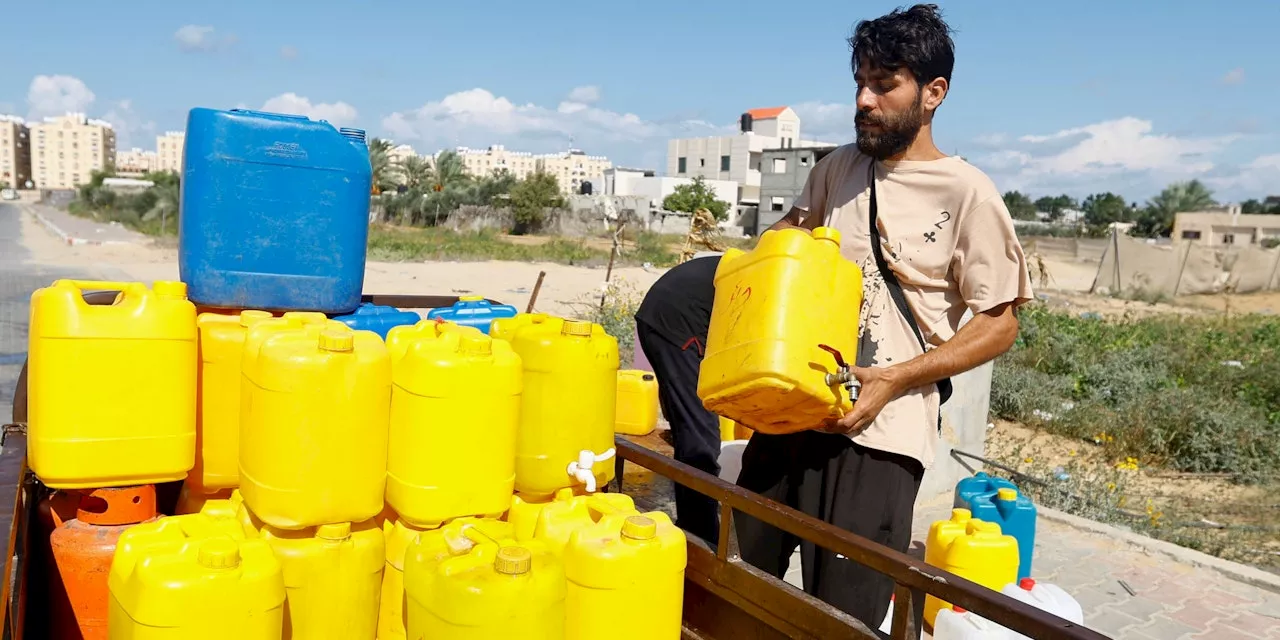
[724, 597]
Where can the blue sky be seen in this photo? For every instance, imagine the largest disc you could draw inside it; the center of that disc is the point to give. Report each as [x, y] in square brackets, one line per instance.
[1078, 96]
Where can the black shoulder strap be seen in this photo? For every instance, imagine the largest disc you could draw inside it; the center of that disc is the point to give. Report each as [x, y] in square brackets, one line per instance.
[895, 287]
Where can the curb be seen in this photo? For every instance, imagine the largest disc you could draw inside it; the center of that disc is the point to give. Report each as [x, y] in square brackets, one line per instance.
[67, 238]
[1226, 568]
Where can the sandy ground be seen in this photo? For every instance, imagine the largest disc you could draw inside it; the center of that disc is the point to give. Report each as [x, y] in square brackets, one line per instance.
[508, 282]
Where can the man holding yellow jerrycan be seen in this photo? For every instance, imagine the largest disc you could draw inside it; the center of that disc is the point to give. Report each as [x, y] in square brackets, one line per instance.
[934, 242]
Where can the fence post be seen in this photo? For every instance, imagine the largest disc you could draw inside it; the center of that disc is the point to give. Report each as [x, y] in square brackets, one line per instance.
[1271, 280]
[1177, 283]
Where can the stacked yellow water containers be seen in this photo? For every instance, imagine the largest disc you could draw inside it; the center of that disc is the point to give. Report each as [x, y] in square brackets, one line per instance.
[559, 519]
[481, 588]
[568, 407]
[774, 307]
[315, 400]
[972, 549]
[622, 565]
[112, 388]
[194, 577]
[455, 409]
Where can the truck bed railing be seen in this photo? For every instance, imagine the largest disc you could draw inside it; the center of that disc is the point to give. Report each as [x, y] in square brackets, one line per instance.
[727, 598]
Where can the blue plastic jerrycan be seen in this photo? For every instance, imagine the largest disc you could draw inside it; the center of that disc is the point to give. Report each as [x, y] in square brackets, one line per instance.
[378, 318]
[473, 311]
[999, 500]
[274, 212]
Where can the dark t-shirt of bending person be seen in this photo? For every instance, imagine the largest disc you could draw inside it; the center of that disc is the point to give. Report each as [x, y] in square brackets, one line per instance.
[678, 305]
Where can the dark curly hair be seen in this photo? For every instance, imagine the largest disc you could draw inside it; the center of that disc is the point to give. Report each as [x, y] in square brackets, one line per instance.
[916, 38]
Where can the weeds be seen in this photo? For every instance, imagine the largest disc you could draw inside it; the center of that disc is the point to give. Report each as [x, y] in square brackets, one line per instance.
[397, 244]
[616, 314]
[1198, 394]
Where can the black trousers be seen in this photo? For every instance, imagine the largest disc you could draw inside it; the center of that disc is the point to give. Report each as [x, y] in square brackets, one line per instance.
[695, 431]
[868, 492]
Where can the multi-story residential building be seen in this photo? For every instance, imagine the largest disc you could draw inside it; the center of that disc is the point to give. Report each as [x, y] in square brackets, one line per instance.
[783, 173]
[136, 161]
[485, 162]
[641, 182]
[399, 152]
[1227, 228]
[573, 167]
[66, 150]
[15, 152]
[169, 151]
[738, 157]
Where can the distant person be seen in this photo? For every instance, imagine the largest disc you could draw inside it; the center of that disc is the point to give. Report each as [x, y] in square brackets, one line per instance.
[934, 240]
[671, 325]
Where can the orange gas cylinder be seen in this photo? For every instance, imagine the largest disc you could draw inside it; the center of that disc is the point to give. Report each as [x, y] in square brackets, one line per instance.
[82, 549]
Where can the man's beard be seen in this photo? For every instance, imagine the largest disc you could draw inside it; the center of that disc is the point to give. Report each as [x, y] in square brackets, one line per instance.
[895, 134]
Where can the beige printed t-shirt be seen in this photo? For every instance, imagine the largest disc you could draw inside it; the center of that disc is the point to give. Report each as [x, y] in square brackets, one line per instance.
[949, 239]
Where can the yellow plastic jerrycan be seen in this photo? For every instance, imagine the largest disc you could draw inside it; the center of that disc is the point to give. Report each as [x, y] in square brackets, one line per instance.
[777, 311]
[112, 388]
[313, 424]
[191, 500]
[332, 579]
[525, 510]
[621, 563]
[218, 401]
[455, 407]
[191, 578]
[972, 549]
[506, 328]
[426, 546]
[637, 410]
[561, 518]
[494, 591]
[568, 406]
[232, 510]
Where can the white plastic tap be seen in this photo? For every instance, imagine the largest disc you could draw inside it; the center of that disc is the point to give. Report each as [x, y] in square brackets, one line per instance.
[581, 469]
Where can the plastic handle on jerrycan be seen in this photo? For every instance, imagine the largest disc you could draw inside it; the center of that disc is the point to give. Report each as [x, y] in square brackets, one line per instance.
[160, 287]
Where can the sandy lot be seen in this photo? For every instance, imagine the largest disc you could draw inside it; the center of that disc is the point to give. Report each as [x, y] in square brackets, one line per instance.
[509, 282]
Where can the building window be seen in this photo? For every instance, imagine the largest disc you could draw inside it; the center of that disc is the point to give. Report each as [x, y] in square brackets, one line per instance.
[702, 162]
[779, 165]
[775, 203]
[804, 160]
[1228, 238]
[724, 163]
[681, 165]
[1190, 235]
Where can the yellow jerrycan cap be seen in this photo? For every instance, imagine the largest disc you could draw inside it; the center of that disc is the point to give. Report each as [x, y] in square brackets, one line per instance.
[219, 553]
[251, 317]
[470, 298]
[337, 341]
[580, 328]
[639, 528]
[475, 345]
[513, 561]
[169, 288]
[1006, 494]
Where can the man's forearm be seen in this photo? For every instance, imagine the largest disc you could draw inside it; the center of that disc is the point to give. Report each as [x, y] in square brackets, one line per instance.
[795, 219]
[980, 340]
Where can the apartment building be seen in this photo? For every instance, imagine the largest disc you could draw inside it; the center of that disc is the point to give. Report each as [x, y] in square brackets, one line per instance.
[15, 152]
[573, 167]
[1228, 228]
[642, 182]
[486, 162]
[169, 151]
[137, 161]
[67, 149]
[738, 157]
[783, 173]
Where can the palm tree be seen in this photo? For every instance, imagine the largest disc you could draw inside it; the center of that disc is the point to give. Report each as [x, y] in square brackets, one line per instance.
[380, 162]
[447, 187]
[1157, 217]
[414, 172]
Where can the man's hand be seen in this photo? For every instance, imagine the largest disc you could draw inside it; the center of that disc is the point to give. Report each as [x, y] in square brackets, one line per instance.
[879, 386]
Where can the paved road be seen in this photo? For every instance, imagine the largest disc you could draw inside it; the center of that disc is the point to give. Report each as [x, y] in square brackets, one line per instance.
[18, 279]
[85, 229]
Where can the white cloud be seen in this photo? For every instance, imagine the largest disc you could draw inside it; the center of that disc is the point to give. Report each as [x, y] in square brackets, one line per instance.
[1125, 155]
[1257, 179]
[825, 121]
[132, 130]
[1234, 76]
[197, 38]
[56, 95]
[584, 95]
[336, 113]
[476, 117]
[288, 53]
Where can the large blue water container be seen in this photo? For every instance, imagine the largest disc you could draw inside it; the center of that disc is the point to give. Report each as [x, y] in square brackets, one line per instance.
[378, 318]
[275, 212]
[473, 311]
[998, 500]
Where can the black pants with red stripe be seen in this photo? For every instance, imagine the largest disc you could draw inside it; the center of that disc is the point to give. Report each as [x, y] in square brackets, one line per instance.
[867, 492]
[695, 431]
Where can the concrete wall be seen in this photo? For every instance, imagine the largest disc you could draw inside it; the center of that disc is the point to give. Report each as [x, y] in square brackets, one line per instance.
[784, 181]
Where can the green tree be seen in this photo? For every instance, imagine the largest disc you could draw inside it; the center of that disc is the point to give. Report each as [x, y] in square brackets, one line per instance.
[695, 195]
[165, 207]
[1157, 217]
[530, 199]
[1020, 205]
[497, 185]
[1270, 205]
[414, 172]
[380, 163]
[1102, 209]
[1056, 206]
